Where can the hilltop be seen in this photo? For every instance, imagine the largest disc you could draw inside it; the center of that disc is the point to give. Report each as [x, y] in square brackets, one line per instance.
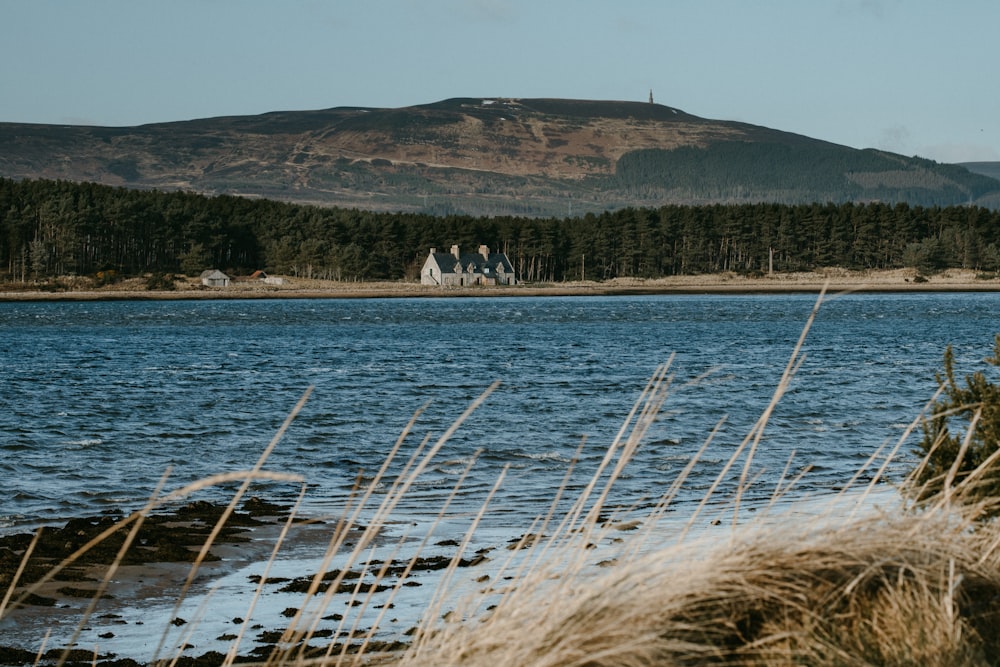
[486, 156]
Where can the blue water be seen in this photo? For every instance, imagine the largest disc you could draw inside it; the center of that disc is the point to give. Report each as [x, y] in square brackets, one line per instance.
[100, 399]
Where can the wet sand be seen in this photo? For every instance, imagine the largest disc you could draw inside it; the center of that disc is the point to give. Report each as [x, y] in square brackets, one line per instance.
[834, 280]
[138, 606]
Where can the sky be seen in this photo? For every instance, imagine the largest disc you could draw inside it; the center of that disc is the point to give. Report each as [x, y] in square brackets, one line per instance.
[916, 77]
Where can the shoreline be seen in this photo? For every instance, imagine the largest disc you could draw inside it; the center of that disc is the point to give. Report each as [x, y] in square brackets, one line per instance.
[138, 606]
[834, 280]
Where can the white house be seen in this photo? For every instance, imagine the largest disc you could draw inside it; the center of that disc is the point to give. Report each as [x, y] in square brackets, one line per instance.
[456, 268]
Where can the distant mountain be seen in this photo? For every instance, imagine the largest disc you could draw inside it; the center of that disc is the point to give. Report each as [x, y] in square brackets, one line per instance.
[991, 169]
[487, 156]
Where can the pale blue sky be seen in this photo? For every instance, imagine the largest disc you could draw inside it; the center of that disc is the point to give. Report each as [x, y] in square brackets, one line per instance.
[918, 77]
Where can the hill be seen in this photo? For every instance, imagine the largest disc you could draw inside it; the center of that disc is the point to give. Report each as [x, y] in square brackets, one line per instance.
[991, 169]
[485, 157]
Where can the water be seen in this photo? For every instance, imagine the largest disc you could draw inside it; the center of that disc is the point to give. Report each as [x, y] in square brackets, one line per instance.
[101, 398]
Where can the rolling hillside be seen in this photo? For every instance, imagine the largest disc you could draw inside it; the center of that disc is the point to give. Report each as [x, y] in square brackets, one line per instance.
[485, 157]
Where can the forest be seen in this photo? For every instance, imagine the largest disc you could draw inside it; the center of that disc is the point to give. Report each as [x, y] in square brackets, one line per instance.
[60, 228]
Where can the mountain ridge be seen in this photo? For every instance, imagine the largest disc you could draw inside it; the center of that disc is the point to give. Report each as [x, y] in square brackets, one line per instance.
[530, 156]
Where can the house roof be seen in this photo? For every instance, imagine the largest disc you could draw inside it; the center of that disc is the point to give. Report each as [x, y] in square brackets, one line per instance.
[214, 274]
[449, 264]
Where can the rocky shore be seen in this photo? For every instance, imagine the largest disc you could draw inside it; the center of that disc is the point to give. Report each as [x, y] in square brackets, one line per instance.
[163, 551]
[130, 613]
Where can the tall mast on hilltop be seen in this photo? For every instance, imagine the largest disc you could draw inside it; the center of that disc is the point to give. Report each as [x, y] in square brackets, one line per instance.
[650, 95]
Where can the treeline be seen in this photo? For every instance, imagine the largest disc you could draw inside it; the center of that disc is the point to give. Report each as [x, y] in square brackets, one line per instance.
[57, 228]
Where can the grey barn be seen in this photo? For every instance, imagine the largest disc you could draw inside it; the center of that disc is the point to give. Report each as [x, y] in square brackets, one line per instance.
[457, 268]
[214, 278]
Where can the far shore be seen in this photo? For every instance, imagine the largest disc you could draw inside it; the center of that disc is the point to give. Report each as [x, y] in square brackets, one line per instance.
[833, 280]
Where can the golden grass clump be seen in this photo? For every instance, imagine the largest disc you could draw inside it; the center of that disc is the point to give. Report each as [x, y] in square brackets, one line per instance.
[841, 582]
[881, 590]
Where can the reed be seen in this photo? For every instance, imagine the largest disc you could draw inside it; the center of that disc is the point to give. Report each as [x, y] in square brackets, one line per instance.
[886, 588]
[843, 580]
[845, 583]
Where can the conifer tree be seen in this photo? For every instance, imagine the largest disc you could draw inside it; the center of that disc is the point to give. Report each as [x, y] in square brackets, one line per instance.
[962, 435]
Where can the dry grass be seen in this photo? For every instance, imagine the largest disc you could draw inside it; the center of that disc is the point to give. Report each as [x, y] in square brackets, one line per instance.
[882, 590]
[845, 585]
[841, 584]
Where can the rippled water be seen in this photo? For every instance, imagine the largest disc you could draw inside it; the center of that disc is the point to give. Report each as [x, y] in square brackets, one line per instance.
[100, 399]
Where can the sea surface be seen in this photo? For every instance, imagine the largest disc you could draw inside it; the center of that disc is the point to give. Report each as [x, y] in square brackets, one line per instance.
[100, 399]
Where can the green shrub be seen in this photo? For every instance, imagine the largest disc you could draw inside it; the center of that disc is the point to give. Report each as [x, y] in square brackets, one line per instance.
[963, 413]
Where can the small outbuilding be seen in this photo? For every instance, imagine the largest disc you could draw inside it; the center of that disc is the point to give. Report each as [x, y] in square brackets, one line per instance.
[458, 269]
[260, 276]
[214, 278]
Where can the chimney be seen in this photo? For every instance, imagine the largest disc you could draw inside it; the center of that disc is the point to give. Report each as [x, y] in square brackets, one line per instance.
[434, 251]
[454, 251]
[484, 251]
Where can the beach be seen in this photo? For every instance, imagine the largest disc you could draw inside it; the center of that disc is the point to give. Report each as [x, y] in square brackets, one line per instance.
[834, 280]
